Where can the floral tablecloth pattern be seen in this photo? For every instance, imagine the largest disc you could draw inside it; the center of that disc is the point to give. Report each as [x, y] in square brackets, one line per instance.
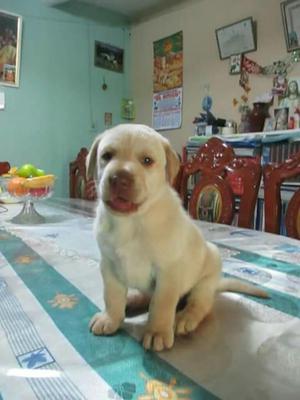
[50, 287]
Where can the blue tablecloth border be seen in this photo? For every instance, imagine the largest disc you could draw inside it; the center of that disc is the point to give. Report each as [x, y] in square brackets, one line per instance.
[118, 359]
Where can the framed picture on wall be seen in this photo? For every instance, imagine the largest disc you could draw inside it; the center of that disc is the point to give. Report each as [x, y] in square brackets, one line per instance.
[290, 11]
[235, 65]
[108, 57]
[281, 115]
[10, 48]
[236, 38]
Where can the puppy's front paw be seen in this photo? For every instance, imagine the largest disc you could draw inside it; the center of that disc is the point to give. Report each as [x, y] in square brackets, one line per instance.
[158, 340]
[103, 324]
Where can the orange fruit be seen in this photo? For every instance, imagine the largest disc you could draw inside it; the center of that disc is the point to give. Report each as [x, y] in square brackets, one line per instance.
[15, 187]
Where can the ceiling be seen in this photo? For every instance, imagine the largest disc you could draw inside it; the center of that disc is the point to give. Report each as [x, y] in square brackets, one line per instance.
[132, 9]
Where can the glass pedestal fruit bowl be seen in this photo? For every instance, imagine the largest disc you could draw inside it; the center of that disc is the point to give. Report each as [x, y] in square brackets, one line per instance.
[27, 191]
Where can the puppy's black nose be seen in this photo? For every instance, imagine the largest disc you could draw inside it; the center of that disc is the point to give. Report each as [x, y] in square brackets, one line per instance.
[121, 181]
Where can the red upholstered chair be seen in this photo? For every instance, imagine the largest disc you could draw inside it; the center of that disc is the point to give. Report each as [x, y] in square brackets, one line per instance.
[4, 167]
[215, 181]
[80, 187]
[274, 176]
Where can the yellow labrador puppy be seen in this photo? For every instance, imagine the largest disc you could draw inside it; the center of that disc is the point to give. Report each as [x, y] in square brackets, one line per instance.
[147, 240]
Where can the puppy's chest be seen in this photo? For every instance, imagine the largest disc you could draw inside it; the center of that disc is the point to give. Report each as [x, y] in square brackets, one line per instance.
[124, 244]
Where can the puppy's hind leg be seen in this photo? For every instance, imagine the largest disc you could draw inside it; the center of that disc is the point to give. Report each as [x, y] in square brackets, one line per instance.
[201, 298]
[199, 304]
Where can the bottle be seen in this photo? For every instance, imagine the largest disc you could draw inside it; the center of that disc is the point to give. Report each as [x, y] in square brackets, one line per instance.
[291, 124]
[296, 121]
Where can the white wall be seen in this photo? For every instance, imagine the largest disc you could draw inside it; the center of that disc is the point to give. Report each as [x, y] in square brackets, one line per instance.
[198, 20]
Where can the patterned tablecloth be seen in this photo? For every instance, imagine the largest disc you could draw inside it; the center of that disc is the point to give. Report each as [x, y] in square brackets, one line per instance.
[50, 287]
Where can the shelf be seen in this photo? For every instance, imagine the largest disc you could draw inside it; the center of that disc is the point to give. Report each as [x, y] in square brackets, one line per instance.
[260, 137]
[288, 132]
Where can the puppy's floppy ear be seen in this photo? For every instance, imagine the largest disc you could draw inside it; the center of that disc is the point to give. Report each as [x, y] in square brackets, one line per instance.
[173, 162]
[91, 159]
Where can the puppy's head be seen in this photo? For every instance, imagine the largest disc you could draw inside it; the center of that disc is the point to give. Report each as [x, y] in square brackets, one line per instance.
[131, 164]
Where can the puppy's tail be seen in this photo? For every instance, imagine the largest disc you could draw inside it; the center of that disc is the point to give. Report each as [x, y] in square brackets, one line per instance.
[235, 285]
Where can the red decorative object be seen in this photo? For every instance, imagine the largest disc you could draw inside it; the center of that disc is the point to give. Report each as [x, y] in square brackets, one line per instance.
[252, 67]
[274, 176]
[4, 167]
[216, 166]
[80, 187]
[258, 115]
[244, 81]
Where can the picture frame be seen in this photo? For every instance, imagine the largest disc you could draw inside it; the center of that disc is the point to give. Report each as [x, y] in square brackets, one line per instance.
[236, 38]
[107, 119]
[10, 48]
[268, 124]
[235, 65]
[127, 109]
[290, 11]
[281, 115]
[109, 57]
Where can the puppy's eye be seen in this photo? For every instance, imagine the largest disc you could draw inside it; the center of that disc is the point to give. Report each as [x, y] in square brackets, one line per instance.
[107, 156]
[147, 161]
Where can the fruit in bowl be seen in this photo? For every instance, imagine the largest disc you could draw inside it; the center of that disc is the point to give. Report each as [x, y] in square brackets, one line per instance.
[15, 187]
[26, 184]
[40, 192]
[36, 187]
[28, 181]
[27, 171]
[40, 186]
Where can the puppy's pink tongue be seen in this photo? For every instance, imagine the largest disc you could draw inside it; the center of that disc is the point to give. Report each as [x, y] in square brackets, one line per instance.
[121, 205]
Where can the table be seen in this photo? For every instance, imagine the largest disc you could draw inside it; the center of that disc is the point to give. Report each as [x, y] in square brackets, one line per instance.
[50, 286]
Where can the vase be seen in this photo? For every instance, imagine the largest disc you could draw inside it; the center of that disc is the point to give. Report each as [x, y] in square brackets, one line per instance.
[258, 115]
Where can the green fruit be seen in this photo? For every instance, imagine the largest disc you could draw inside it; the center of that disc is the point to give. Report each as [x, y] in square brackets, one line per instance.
[27, 171]
[40, 172]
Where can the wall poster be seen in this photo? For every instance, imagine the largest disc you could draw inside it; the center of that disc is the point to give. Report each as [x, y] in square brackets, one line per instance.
[168, 62]
[167, 82]
[167, 109]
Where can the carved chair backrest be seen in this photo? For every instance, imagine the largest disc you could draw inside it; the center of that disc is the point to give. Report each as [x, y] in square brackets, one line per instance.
[80, 186]
[244, 175]
[274, 175]
[4, 167]
[221, 177]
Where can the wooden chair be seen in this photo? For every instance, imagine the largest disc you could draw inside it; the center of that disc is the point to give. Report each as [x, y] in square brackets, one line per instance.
[273, 176]
[80, 187]
[221, 182]
[4, 167]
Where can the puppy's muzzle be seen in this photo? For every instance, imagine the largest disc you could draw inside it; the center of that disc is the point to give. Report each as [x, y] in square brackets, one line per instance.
[121, 192]
[121, 184]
